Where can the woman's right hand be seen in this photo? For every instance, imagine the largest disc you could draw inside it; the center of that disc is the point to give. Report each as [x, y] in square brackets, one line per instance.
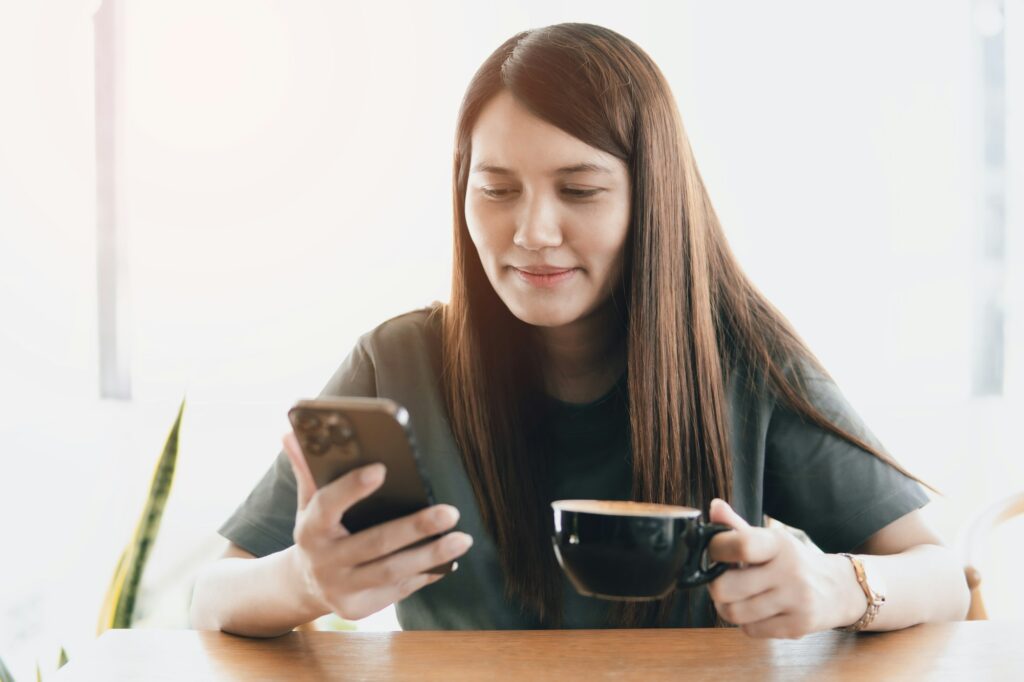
[356, 574]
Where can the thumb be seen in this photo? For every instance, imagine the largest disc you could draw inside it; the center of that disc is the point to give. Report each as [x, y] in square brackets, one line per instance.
[304, 484]
[721, 512]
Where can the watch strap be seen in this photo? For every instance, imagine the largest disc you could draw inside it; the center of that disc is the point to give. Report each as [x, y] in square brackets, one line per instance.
[874, 599]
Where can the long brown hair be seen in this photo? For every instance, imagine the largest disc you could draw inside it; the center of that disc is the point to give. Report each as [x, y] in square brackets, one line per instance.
[689, 314]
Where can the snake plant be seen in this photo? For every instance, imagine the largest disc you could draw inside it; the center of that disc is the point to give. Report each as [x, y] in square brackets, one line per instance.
[6, 676]
[119, 603]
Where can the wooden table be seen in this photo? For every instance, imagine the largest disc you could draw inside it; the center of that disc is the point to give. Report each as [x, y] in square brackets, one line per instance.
[979, 650]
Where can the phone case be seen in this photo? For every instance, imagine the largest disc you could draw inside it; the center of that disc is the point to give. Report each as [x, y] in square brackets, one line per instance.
[338, 434]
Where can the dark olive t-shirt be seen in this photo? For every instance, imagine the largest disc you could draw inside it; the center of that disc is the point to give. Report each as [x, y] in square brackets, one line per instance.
[784, 467]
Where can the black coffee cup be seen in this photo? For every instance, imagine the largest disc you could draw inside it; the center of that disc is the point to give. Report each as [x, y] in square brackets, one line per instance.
[633, 551]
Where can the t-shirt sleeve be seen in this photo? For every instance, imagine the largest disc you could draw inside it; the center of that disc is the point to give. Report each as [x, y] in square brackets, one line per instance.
[836, 492]
[264, 522]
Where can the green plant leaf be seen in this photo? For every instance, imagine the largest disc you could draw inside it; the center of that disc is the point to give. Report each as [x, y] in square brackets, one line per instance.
[62, 659]
[39, 674]
[113, 591]
[5, 674]
[119, 604]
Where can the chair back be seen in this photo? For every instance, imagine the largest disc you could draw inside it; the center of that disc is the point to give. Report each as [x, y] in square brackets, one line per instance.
[976, 537]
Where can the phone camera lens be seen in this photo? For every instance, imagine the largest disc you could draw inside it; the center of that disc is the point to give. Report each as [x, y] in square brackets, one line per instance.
[339, 434]
[318, 446]
[308, 422]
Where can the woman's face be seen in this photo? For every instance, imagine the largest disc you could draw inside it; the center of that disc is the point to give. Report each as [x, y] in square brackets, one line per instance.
[548, 213]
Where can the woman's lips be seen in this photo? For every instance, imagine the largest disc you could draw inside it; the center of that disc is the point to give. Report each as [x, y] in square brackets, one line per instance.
[547, 279]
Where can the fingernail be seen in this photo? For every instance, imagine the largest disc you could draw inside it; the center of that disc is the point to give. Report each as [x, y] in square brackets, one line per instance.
[372, 474]
[458, 542]
[446, 515]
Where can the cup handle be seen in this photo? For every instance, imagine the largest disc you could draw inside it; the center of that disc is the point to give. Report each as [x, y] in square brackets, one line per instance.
[696, 574]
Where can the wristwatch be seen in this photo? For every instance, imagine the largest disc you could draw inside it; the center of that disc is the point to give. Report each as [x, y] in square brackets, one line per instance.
[874, 596]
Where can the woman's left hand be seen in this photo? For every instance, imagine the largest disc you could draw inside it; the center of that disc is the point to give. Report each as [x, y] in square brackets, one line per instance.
[784, 587]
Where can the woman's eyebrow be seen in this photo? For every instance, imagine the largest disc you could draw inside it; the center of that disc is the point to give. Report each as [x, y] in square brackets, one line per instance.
[485, 167]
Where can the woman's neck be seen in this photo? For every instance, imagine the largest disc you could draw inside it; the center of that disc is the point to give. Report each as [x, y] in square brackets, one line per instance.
[583, 360]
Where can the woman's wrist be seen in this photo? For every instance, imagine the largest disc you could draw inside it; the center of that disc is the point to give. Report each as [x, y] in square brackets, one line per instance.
[309, 597]
[850, 600]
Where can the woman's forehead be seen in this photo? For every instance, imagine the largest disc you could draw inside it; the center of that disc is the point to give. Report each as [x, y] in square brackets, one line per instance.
[508, 139]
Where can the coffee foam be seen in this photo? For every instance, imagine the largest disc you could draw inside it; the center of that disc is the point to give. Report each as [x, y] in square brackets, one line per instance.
[624, 508]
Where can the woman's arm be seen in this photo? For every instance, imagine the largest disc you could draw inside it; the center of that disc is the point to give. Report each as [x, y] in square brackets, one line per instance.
[788, 589]
[327, 569]
[923, 581]
[244, 595]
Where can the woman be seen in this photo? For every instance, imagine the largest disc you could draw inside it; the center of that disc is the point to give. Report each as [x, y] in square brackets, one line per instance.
[601, 342]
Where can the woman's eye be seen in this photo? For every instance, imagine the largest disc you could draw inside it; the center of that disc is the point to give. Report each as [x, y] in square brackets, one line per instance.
[572, 192]
[495, 193]
[580, 193]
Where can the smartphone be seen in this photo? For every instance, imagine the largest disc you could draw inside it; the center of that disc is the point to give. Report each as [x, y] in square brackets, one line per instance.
[337, 435]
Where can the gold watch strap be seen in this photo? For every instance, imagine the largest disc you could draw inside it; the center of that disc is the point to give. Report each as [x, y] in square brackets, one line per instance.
[875, 600]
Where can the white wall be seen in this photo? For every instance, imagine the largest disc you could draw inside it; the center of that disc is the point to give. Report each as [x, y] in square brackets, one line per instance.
[286, 186]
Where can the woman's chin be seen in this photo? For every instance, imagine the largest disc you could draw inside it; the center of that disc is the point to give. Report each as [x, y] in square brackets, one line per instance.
[546, 315]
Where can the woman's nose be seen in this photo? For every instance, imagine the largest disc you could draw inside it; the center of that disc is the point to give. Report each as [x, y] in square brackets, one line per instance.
[537, 226]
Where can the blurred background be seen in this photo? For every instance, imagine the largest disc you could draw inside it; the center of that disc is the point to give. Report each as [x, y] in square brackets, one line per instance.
[213, 199]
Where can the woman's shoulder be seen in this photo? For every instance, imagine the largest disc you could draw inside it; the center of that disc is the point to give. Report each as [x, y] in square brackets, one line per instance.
[393, 359]
[403, 333]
